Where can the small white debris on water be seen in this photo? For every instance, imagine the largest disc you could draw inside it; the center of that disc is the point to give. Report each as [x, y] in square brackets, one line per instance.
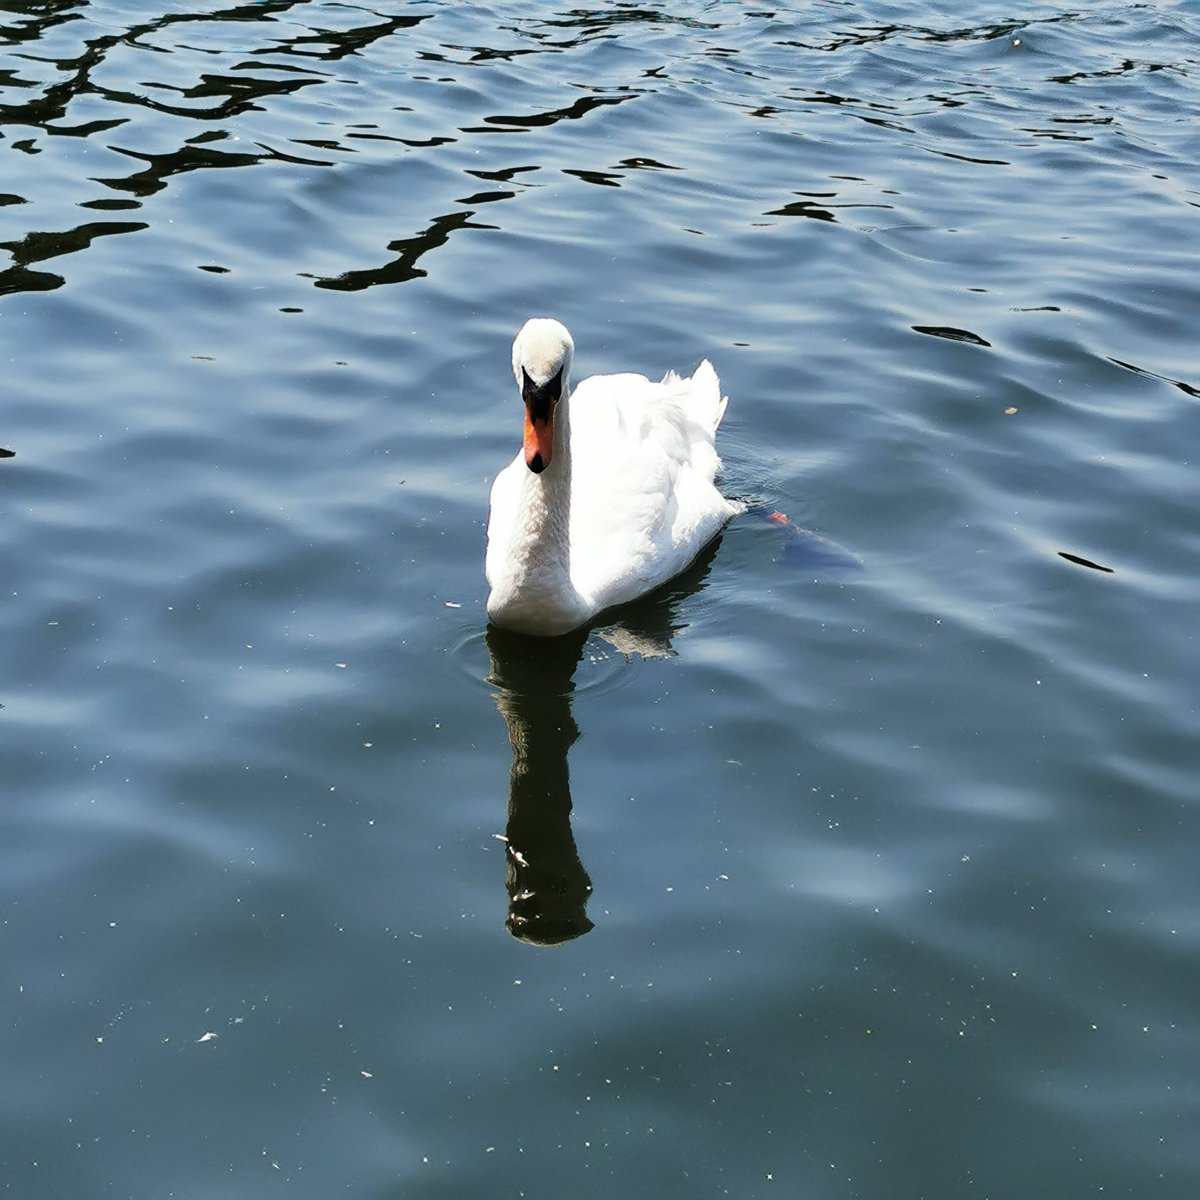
[208, 1037]
[453, 604]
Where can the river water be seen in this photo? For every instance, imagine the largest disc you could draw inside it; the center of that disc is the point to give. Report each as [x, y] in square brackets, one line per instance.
[862, 862]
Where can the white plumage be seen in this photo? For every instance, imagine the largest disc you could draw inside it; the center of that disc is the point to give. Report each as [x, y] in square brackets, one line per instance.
[612, 494]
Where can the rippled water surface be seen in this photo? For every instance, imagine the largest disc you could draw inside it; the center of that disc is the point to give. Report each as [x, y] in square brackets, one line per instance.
[870, 847]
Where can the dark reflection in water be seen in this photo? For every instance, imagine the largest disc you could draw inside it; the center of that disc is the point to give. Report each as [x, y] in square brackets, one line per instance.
[807, 206]
[1084, 562]
[571, 112]
[250, 81]
[37, 247]
[951, 334]
[1186, 388]
[408, 253]
[266, 62]
[548, 886]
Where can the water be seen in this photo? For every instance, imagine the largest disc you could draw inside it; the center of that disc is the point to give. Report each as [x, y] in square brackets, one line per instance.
[871, 859]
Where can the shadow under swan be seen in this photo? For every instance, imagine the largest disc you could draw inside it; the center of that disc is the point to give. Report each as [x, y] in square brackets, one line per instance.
[534, 681]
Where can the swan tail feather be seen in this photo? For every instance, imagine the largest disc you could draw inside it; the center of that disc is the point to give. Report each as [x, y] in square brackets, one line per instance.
[706, 387]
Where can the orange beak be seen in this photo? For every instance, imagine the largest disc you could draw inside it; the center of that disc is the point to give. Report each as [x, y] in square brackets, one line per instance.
[539, 442]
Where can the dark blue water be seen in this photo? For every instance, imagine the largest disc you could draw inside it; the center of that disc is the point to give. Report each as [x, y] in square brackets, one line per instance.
[868, 848]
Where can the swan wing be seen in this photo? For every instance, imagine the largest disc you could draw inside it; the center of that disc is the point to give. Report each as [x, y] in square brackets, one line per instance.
[643, 497]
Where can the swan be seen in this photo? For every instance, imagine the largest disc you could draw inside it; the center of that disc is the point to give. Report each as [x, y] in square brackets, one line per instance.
[611, 494]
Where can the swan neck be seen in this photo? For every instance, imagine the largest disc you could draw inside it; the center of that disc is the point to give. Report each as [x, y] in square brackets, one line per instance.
[539, 553]
[547, 500]
[534, 591]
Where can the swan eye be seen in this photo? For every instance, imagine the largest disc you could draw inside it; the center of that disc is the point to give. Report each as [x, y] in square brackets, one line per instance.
[540, 398]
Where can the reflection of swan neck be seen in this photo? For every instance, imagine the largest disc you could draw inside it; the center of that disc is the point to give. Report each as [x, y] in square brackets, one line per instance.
[539, 745]
[547, 885]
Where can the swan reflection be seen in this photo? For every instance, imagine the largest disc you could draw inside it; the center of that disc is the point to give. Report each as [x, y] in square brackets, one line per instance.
[547, 884]
[534, 681]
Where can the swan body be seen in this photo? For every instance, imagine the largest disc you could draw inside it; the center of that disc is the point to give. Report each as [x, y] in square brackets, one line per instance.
[613, 491]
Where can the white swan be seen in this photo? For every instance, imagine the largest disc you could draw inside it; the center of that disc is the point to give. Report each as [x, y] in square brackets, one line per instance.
[611, 494]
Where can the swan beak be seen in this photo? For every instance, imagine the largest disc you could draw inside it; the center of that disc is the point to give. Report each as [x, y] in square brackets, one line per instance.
[539, 442]
[540, 403]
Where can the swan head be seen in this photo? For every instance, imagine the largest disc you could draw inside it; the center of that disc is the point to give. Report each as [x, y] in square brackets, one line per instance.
[541, 359]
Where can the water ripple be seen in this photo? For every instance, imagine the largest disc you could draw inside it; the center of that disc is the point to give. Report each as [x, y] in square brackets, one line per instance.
[902, 831]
